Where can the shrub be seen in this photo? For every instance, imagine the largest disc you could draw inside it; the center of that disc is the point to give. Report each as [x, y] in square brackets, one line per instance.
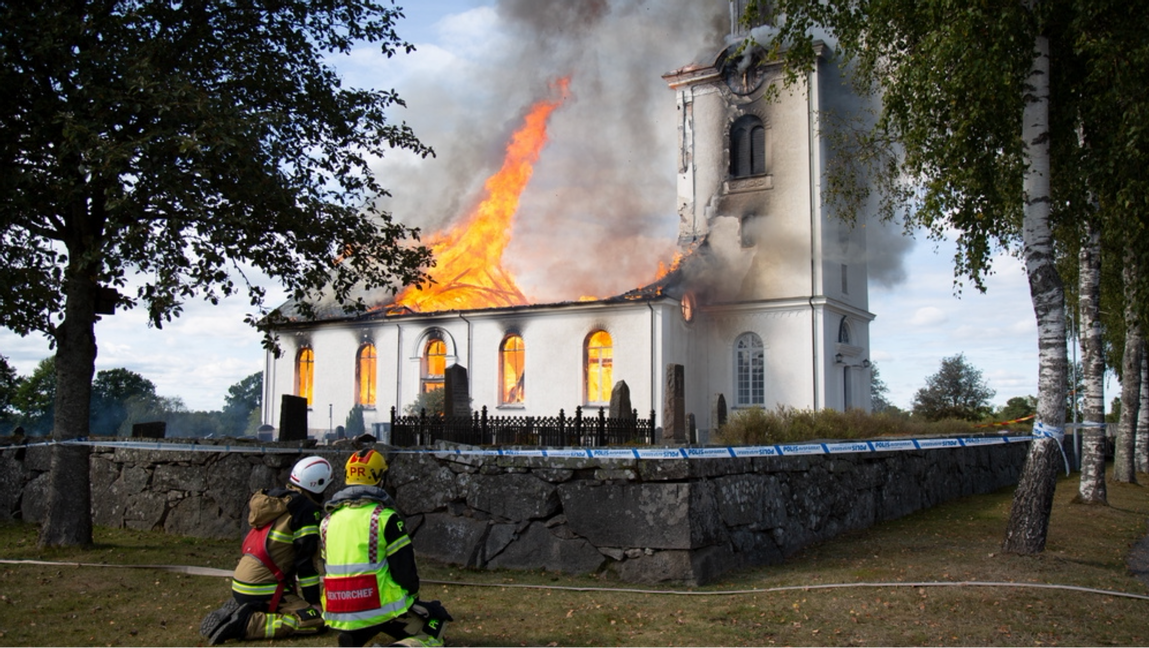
[757, 426]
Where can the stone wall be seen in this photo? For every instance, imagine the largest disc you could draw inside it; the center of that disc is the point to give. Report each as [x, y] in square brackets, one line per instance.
[644, 521]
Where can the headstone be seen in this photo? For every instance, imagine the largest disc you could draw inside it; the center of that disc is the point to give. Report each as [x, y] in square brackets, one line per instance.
[266, 433]
[293, 418]
[718, 415]
[691, 429]
[457, 397]
[620, 401]
[151, 430]
[674, 405]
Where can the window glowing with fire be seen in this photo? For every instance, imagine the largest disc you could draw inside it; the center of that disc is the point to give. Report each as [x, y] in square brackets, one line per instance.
[305, 373]
[365, 364]
[750, 370]
[512, 357]
[434, 364]
[599, 364]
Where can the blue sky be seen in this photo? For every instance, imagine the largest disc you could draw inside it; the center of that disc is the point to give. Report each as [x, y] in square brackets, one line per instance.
[475, 70]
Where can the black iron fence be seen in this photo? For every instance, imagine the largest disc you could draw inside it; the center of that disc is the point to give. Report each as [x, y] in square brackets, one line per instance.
[556, 431]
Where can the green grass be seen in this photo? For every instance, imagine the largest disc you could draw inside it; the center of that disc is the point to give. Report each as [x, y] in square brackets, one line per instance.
[958, 541]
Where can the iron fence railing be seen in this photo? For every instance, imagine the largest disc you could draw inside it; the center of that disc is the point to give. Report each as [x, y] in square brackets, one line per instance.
[556, 431]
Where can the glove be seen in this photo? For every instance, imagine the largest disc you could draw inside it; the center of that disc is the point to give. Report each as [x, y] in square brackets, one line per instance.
[431, 610]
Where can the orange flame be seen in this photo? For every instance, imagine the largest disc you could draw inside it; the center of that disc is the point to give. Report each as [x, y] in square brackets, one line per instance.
[468, 272]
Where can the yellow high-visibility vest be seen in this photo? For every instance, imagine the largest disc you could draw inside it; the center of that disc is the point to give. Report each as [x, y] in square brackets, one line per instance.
[358, 590]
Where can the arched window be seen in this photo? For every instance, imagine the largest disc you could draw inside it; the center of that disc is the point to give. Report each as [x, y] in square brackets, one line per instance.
[434, 364]
[305, 373]
[843, 332]
[365, 364]
[749, 370]
[599, 363]
[747, 147]
[512, 377]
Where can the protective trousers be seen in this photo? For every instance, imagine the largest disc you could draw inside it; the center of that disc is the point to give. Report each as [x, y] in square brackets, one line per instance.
[407, 629]
[295, 616]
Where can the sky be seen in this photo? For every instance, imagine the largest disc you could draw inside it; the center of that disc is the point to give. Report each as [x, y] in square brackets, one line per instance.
[605, 180]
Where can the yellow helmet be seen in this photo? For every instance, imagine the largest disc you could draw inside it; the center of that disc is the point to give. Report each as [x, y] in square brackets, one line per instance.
[365, 467]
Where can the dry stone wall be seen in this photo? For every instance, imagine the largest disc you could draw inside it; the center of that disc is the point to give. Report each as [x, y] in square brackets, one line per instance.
[643, 521]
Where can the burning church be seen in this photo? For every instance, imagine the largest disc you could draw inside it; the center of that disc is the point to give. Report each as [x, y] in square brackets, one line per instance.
[764, 304]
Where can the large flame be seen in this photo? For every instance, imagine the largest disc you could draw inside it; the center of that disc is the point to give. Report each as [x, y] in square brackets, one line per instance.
[468, 272]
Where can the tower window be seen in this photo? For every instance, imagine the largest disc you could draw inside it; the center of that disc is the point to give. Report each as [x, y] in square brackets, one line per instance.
[747, 147]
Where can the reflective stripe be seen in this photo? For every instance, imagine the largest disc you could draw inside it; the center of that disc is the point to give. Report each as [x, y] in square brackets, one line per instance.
[253, 589]
[279, 536]
[373, 536]
[355, 569]
[387, 612]
[309, 581]
[309, 530]
[398, 544]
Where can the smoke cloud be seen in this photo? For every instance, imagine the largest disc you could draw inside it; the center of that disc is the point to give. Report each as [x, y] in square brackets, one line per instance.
[599, 213]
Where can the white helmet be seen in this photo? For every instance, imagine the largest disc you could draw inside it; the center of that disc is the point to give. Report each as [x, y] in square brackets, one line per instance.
[311, 474]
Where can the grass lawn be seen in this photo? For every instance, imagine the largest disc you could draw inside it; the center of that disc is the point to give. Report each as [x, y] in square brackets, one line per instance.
[855, 590]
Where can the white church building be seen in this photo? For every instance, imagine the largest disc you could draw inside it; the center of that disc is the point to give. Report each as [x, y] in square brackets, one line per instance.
[767, 308]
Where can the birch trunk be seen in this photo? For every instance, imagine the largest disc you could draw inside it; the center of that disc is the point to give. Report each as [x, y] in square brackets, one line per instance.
[1028, 524]
[1092, 487]
[1141, 445]
[1123, 467]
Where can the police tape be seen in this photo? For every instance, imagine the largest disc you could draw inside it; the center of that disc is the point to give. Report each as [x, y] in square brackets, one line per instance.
[681, 452]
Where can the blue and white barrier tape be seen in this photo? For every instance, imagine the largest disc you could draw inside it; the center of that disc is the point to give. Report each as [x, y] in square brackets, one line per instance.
[707, 452]
[1043, 430]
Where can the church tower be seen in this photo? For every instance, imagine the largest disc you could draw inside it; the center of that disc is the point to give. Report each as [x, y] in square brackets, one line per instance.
[770, 263]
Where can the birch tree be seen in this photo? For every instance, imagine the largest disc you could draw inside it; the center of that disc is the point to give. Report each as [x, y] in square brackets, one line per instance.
[964, 90]
[1091, 487]
[1141, 445]
[1124, 468]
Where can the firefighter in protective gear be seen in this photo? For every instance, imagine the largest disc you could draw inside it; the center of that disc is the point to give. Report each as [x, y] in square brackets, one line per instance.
[281, 549]
[372, 583]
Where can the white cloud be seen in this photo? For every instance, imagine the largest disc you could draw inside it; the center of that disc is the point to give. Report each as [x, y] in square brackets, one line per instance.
[928, 316]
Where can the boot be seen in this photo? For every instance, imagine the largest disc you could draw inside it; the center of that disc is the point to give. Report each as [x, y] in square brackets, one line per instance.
[215, 618]
[234, 626]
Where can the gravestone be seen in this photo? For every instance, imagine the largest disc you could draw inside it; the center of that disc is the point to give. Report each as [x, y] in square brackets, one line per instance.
[620, 402]
[718, 415]
[674, 405]
[292, 418]
[151, 430]
[457, 397]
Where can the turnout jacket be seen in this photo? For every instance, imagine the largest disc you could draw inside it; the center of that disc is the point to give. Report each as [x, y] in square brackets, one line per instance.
[370, 562]
[292, 544]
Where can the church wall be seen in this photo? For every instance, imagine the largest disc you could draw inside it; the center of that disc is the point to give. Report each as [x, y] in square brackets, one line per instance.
[554, 341]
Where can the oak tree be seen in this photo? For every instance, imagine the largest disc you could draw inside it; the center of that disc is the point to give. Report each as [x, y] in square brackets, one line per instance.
[181, 148]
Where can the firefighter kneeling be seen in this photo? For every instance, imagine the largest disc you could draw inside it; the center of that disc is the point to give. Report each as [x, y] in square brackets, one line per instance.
[372, 583]
[279, 550]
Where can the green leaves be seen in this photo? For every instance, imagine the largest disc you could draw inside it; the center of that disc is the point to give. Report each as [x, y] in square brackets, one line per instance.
[181, 141]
